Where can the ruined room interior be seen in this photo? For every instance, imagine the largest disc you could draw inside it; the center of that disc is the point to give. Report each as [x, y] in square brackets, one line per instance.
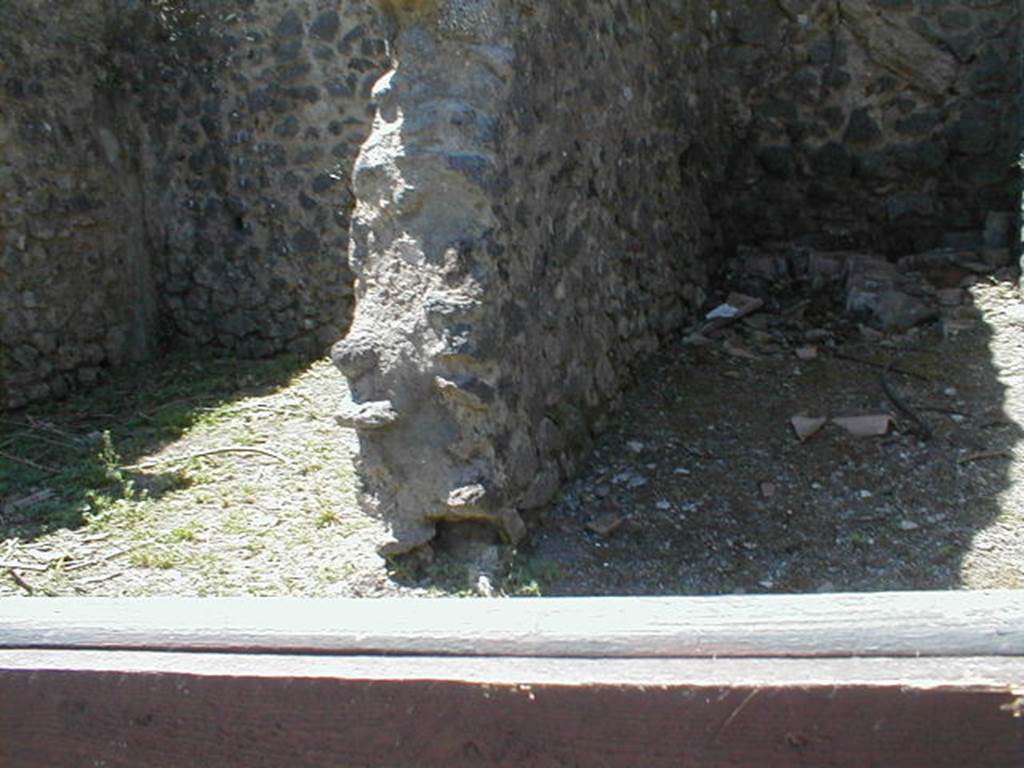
[691, 298]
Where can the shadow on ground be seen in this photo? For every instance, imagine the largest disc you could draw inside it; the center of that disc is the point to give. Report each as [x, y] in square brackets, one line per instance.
[702, 487]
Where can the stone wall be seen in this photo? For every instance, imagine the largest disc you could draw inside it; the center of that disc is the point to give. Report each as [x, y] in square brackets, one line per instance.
[547, 194]
[530, 222]
[886, 124]
[76, 287]
[549, 188]
[176, 172]
[253, 111]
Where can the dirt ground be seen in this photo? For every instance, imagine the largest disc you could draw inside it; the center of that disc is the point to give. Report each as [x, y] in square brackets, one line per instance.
[703, 487]
[202, 477]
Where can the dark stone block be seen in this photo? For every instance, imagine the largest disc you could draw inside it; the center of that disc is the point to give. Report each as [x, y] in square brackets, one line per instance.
[305, 241]
[290, 25]
[339, 89]
[919, 123]
[351, 37]
[862, 128]
[975, 132]
[779, 161]
[288, 128]
[927, 157]
[832, 160]
[308, 93]
[904, 204]
[288, 49]
[325, 26]
[324, 182]
[990, 72]
[955, 19]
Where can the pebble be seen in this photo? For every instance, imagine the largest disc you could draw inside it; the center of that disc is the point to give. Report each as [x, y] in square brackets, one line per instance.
[908, 525]
[635, 446]
[630, 480]
[663, 505]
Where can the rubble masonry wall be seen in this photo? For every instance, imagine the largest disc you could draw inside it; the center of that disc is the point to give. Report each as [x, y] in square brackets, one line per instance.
[546, 195]
[175, 173]
[549, 187]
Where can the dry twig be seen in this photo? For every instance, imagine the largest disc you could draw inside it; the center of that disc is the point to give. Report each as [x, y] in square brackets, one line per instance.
[23, 566]
[982, 455]
[20, 581]
[28, 463]
[920, 427]
[204, 454]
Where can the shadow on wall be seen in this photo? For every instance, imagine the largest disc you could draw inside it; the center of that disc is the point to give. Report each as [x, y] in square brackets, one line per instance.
[175, 173]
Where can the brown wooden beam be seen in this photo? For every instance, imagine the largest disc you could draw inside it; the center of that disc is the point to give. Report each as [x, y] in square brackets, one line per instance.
[144, 709]
[908, 679]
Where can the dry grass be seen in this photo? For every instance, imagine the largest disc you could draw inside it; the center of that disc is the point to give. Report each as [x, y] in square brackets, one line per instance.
[202, 477]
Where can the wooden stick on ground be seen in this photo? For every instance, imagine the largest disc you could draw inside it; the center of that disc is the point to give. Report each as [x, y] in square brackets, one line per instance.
[20, 581]
[211, 452]
[23, 566]
[28, 463]
[919, 426]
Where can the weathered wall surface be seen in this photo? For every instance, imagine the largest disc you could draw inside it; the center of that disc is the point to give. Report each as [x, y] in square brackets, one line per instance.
[176, 173]
[545, 196]
[253, 111]
[76, 287]
[530, 221]
[888, 124]
[548, 187]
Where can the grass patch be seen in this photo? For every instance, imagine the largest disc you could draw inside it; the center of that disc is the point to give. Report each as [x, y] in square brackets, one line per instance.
[232, 473]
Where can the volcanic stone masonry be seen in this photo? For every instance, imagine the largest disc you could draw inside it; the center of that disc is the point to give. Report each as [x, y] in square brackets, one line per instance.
[175, 173]
[549, 186]
[547, 193]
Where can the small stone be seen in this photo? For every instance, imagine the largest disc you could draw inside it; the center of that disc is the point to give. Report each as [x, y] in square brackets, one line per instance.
[664, 505]
[870, 334]
[369, 416]
[908, 525]
[605, 525]
[635, 446]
